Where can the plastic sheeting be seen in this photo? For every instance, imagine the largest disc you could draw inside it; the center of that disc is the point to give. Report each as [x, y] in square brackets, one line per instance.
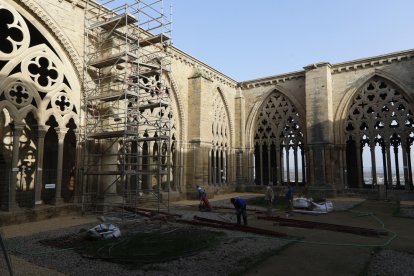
[104, 231]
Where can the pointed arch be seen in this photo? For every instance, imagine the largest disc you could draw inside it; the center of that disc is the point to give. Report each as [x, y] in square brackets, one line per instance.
[378, 130]
[277, 138]
[259, 102]
[346, 101]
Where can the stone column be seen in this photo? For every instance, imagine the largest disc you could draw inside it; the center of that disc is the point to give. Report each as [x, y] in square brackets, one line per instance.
[269, 165]
[359, 162]
[373, 163]
[41, 134]
[261, 163]
[295, 152]
[214, 166]
[287, 165]
[389, 172]
[397, 165]
[384, 164]
[410, 172]
[17, 131]
[278, 167]
[405, 149]
[61, 132]
[220, 163]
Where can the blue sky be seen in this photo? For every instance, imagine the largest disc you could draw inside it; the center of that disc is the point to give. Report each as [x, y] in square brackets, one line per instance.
[252, 39]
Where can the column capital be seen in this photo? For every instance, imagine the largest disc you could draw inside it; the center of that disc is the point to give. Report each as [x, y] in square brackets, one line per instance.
[18, 126]
[61, 132]
[42, 130]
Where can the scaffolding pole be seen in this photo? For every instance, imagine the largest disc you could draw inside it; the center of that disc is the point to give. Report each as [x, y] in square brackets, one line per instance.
[126, 133]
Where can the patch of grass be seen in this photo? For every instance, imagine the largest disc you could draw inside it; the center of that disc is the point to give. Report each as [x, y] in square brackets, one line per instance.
[139, 249]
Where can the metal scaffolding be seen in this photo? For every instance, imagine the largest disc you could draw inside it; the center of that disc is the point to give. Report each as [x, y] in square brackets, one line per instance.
[126, 136]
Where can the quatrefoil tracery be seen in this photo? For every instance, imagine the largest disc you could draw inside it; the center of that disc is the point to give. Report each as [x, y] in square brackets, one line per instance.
[19, 95]
[62, 103]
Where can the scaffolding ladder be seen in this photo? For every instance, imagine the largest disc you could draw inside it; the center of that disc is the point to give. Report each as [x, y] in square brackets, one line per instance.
[126, 133]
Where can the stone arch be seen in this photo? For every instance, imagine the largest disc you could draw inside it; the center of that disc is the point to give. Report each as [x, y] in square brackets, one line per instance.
[229, 114]
[38, 81]
[221, 140]
[346, 101]
[278, 142]
[378, 131]
[259, 101]
[179, 106]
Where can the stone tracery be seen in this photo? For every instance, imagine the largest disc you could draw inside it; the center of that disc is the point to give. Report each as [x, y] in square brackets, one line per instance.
[380, 121]
[278, 137]
[32, 82]
[220, 142]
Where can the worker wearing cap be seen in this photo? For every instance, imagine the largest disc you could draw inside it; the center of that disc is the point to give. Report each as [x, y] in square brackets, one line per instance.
[240, 206]
[203, 198]
[269, 197]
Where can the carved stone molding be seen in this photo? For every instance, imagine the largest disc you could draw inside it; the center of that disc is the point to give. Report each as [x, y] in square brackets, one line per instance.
[272, 80]
[372, 62]
[202, 68]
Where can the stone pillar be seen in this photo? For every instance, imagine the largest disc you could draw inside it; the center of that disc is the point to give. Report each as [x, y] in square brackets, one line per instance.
[61, 132]
[287, 164]
[214, 166]
[261, 164]
[41, 134]
[17, 131]
[358, 154]
[269, 166]
[295, 152]
[389, 172]
[384, 164]
[220, 163]
[397, 165]
[373, 163]
[405, 150]
[200, 99]
[278, 166]
[319, 120]
[242, 173]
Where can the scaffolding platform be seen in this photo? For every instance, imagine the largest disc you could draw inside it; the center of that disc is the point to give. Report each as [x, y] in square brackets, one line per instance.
[111, 60]
[114, 95]
[115, 22]
[161, 38]
[112, 134]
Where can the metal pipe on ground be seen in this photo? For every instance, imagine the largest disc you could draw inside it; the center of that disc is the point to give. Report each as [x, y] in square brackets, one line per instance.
[230, 226]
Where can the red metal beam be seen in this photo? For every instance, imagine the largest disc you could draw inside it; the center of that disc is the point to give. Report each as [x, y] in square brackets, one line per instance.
[325, 226]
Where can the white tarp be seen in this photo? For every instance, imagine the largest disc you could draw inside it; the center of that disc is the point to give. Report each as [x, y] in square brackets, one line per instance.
[104, 231]
[309, 205]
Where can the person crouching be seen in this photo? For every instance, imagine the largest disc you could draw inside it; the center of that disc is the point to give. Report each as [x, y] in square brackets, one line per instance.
[240, 206]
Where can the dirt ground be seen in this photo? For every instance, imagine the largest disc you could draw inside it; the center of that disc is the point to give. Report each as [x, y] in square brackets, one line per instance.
[318, 251]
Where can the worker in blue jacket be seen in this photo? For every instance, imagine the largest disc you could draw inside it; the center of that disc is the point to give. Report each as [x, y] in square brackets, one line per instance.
[240, 206]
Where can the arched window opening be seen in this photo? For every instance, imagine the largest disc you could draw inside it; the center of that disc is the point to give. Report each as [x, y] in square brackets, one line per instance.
[218, 166]
[278, 155]
[379, 143]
